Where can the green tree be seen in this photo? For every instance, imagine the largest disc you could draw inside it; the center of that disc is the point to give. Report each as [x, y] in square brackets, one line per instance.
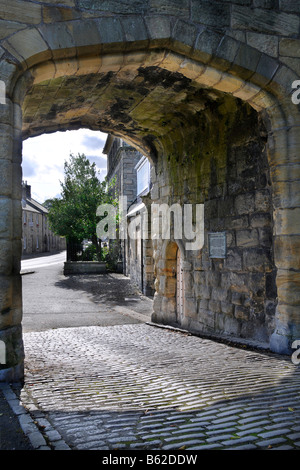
[74, 214]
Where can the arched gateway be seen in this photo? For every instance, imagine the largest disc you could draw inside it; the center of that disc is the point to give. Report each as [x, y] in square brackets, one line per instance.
[204, 89]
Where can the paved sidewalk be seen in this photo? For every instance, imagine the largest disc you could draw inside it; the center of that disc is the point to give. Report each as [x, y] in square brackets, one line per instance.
[137, 386]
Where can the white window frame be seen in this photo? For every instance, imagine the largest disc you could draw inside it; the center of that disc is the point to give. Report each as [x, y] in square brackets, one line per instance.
[143, 165]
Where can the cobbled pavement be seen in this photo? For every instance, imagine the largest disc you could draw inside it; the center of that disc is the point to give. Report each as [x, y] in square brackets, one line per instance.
[137, 386]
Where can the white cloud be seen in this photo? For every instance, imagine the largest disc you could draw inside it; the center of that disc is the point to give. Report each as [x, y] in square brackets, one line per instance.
[44, 158]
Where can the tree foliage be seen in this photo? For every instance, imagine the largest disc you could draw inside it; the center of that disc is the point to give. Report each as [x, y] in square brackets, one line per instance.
[73, 215]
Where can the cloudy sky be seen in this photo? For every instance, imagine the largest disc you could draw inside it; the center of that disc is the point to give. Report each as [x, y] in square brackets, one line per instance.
[44, 157]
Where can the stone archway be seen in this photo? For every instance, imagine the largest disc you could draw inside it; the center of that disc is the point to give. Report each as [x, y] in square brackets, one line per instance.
[173, 68]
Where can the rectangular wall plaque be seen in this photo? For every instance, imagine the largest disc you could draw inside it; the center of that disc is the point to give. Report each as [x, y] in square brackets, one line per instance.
[217, 244]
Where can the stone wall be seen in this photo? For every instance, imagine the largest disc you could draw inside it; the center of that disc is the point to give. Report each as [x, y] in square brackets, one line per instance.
[227, 170]
[139, 255]
[136, 253]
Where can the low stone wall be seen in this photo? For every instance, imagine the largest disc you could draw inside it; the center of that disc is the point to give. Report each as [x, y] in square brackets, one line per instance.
[84, 267]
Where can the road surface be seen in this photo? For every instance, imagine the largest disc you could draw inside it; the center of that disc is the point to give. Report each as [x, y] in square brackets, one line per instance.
[52, 300]
[43, 261]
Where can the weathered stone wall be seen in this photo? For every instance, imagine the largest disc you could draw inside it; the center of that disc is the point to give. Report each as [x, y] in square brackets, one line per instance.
[139, 257]
[226, 168]
[136, 253]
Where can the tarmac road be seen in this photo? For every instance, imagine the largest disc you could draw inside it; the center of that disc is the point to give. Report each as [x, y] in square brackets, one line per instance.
[52, 300]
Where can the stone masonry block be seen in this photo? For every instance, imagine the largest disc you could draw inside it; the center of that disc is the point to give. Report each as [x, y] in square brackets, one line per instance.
[85, 33]
[247, 238]
[207, 44]
[256, 259]
[12, 338]
[220, 294]
[190, 307]
[159, 27]
[6, 218]
[260, 220]
[241, 313]
[5, 257]
[244, 203]
[287, 221]
[227, 308]
[203, 292]
[59, 38]
[247, 58]
[134, 28]
[288, 285]
[110, 30]
[214, 306]
[215, 14]
[236, 223]
[179, 8]
[6, 294]
[289, 47]
[262, 201]
[286, 194]
[265, 70]
[15, 10]
[265, 236]
[237, 298]
[264, 21]
[186, 34]
[11, 312]
[6, 143]
[29, 43]
[287, 252]
[6, 177]
[265, 43]
[6, 110]
[289, 6]
[52, 14]
[233, 262]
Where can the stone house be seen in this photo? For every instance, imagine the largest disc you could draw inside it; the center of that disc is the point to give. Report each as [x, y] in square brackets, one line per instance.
[36, 234]
[131, 172]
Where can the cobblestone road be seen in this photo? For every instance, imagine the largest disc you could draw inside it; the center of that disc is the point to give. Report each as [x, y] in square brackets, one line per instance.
[136, 386]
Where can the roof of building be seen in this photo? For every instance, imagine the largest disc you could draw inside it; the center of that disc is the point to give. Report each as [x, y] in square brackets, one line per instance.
[33, 206]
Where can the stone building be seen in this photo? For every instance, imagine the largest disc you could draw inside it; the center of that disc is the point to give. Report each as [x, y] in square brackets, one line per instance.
[131, 172]
[36, 234]
[210, 93]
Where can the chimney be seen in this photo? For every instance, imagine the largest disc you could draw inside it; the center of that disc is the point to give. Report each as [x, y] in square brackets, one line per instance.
[26, 191]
